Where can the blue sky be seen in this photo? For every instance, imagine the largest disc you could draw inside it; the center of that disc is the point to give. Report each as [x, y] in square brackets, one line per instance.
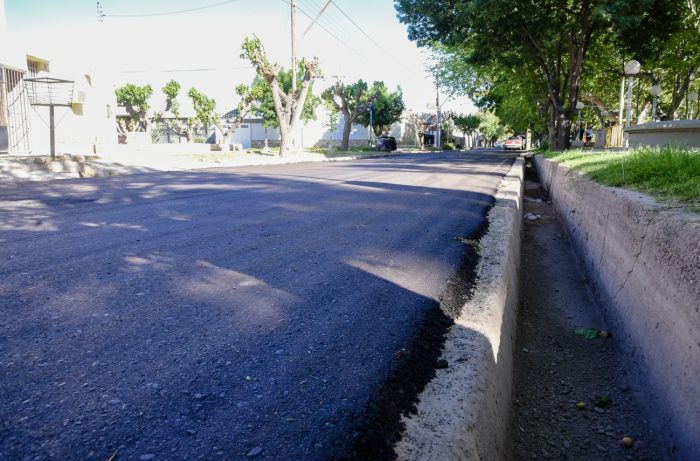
[143, 49]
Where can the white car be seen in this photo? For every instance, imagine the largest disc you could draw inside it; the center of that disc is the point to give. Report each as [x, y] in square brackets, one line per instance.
[514, 142]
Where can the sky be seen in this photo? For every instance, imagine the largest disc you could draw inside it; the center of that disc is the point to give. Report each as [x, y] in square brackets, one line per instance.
[201, 48]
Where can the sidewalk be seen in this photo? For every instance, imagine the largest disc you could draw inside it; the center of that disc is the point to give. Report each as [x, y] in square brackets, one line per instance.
[556, 369]
[41, 168]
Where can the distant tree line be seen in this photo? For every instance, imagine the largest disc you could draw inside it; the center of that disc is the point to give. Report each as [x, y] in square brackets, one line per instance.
[281, 97]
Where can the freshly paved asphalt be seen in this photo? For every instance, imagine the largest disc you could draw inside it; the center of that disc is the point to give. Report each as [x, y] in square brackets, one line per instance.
[199, 315]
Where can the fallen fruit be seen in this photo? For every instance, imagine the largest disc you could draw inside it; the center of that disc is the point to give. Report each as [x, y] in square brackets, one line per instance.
[581, 405]
[627, 442]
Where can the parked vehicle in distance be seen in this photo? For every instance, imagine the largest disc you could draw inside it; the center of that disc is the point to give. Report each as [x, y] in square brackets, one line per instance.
[498, 145]
[523, 138]
[514, 142]
[385, 143]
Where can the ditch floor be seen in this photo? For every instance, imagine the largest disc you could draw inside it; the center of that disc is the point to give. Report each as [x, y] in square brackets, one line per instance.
[555, 369]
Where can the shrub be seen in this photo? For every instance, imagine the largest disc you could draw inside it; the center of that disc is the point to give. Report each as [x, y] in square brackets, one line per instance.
[448, 146]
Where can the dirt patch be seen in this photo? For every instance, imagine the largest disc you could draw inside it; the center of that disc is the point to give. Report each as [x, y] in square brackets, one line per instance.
[415, 366]
[573, 399]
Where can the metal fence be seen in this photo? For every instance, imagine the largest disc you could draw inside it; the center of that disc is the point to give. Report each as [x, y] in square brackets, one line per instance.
[161, 133]
[14, 110]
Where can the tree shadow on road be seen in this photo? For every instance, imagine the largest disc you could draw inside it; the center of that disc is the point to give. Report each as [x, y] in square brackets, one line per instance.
[198, 313]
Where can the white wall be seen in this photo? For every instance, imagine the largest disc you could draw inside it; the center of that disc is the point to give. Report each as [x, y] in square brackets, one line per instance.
[80, 127]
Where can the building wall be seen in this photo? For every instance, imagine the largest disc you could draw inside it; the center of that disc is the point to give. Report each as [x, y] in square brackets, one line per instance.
[84, 125]
[90, 121]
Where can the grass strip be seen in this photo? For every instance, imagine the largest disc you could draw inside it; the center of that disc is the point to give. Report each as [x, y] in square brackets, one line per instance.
[668, 173]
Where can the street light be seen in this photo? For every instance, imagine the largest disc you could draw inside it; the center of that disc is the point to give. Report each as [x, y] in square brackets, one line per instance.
[579, 107]
[692, 97]
[632, 68]
[369, 107]
[655, 92]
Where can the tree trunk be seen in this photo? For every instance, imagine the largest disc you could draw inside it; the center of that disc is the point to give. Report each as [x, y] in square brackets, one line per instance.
[347, 128]
[563, 128]
[286, 140]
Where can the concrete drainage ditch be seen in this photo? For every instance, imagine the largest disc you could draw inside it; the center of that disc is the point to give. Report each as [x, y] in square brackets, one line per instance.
[641, 260]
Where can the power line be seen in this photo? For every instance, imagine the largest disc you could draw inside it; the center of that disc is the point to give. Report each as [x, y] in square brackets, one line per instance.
[320, 13]
[167, 13]
[189, 10]
[331, 22]
[305, 13]
[339, 28]
[359, 28]
[335, 28]
[213, 69]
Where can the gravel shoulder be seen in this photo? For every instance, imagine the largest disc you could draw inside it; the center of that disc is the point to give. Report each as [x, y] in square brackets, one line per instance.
[556, 369]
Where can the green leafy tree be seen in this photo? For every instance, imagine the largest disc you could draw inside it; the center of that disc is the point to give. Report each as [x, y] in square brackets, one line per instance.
[547, 42]
[491, 127]
[205, 110]
[265, 105]
[171, 90]
[244, 107]
[288, 105]
[387, 109]
[135, 100]
[468, 124]
[204, 107]
[332, 119]
[351, 101]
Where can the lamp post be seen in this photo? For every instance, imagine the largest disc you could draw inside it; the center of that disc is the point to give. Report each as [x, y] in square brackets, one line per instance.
[655, 92]
[632, 68]
[579, 108]
[692, 97]
[369, 107]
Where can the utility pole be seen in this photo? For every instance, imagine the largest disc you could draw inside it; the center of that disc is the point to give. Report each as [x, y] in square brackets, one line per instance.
[437, 103]
[371, 121]
[294, 49]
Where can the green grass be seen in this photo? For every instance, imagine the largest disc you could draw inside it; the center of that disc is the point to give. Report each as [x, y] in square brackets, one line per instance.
[669, 173]
[337, 151]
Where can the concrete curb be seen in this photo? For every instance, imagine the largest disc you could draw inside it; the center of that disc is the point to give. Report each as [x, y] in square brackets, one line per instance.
[464, 411]
[642, 259]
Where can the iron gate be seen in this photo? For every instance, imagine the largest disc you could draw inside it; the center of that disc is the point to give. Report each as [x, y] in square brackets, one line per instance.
[14, 111]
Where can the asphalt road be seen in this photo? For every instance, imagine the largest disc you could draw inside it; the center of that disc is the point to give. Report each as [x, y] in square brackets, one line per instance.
[202, 315]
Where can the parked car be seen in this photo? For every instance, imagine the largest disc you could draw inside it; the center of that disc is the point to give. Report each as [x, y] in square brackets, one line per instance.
[498, 145]
[514, 142]
[386, 143]
[523, 138]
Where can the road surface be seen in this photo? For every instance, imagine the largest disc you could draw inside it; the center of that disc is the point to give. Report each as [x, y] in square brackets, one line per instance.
[221, 314]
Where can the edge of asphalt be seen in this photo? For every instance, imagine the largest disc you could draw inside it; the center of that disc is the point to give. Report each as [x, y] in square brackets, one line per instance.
[464, 411]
